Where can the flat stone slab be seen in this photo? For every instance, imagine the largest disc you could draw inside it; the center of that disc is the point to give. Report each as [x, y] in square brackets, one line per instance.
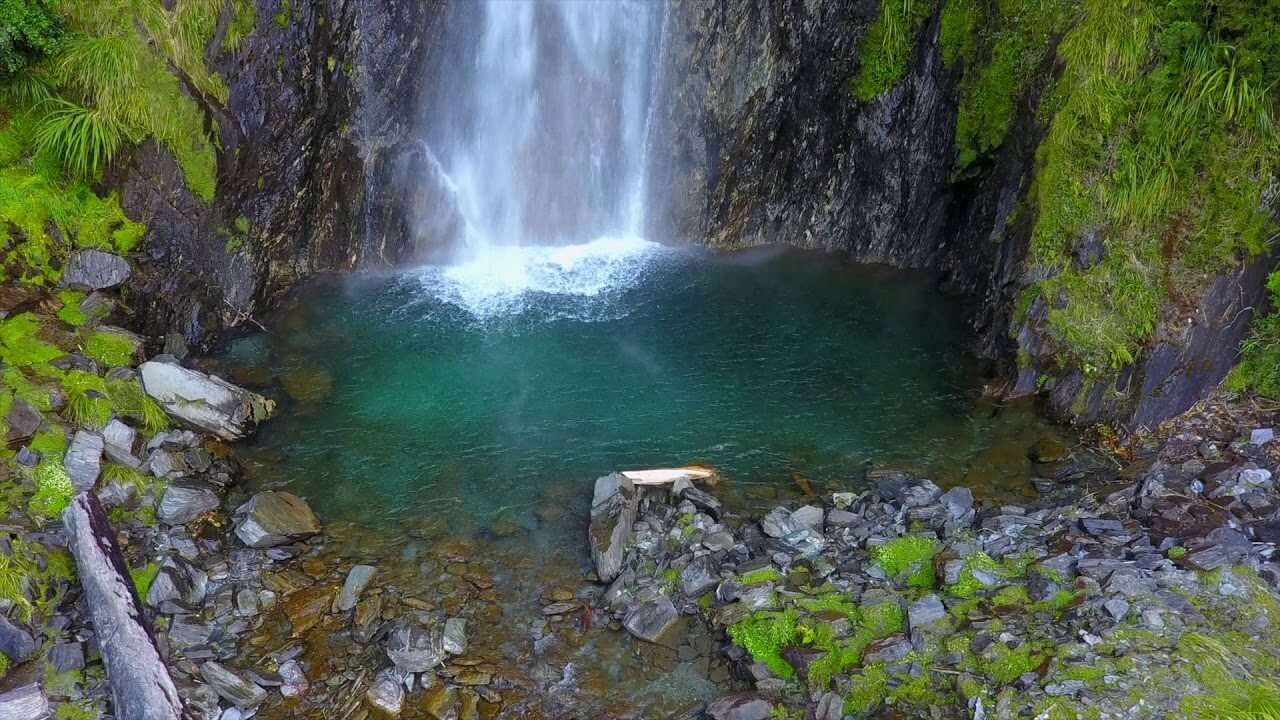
[275, 518]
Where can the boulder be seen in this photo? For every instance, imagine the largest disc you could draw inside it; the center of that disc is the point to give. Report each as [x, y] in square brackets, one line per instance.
[414, 648]
[926, 612]
[613, 512]
[94, 270]
[186, 500]
[704, 501]
[650, 620]
[740, 707]
[699, 576]
[83, 460]
[16, 642]
[117, 434]
[777, 523]
[22, 421]
[808, 516]
[231, 687]
[204, 401]
[274, 518]
[24, 703]
[357, 580]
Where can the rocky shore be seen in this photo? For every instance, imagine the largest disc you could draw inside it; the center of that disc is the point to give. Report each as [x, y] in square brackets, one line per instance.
[1135, 584]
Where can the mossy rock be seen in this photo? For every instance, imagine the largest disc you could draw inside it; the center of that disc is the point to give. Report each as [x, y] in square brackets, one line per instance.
[307, 384]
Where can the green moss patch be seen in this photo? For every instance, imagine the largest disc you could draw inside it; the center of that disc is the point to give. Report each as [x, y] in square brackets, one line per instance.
[110, 348]
[886, 48]
[765, 635]
[908, 558]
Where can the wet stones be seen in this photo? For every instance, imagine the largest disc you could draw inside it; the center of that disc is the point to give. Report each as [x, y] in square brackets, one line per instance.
[739, 707]
[454, 640]
[699, 576]
[358, 579]
[386, 696]
[232, 687]
[274, 518]
[649, 621]
[613, 512]
[414, 648]
[777, 523]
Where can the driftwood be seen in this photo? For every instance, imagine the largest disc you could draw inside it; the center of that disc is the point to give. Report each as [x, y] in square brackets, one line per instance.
[667, 476]
[141, 688]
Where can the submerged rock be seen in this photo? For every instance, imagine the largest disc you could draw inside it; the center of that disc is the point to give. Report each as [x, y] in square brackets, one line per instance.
[274, 518]
[613, 512]
[307, 384]
[414, 648]
[205, 401]
[95, 270]
[386, 696]
[357, 580]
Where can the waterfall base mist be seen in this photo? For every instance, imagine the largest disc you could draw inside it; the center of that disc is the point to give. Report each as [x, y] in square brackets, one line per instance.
[471, 390]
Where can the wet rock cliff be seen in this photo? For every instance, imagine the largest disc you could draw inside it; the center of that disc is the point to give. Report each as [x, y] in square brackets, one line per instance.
[762, 140]
[322, 97]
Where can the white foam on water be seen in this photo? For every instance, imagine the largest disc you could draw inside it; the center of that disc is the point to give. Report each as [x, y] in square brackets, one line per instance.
[581, 282]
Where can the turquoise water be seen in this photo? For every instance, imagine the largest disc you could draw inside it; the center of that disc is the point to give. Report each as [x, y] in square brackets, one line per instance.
[504, 387]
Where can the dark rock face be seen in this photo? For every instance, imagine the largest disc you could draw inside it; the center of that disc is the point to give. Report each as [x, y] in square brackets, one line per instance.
[317, 121]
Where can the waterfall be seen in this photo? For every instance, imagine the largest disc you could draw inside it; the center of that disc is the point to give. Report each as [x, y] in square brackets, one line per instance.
[538, 135]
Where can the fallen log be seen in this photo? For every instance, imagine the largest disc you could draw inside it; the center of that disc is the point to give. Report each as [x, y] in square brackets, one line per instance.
[141, 688]
[667, 476]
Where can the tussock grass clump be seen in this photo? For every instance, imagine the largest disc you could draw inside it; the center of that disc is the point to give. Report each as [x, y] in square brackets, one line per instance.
[1161, 144]
[886, 46]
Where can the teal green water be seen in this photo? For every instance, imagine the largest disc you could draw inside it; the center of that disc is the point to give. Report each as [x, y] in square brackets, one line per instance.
[472, 394]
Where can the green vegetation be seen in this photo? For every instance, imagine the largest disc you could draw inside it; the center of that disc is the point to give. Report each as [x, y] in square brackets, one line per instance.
[53, 490]
[765, 635]
[758, 577]
[143, 577]
[1000, 46]
[886, 47]
[1161, 144]
[1233, 689]
[910, 558]
[79, 81]
[30, 30]
[110, 348]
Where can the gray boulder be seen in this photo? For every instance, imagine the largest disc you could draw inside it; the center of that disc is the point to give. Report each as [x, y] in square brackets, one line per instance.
[778, 523]
[613, 512]
[231, 687]
[274, 518]
[205, 401]
[95, 270]
[808, 516]
[699, 576]
[186, 500]
[83, 460]
[740, 707]
[926, 612]
[650, 620]
[15, 642]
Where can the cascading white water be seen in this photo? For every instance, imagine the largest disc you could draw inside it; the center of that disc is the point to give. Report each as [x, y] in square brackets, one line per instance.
[541, 132]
